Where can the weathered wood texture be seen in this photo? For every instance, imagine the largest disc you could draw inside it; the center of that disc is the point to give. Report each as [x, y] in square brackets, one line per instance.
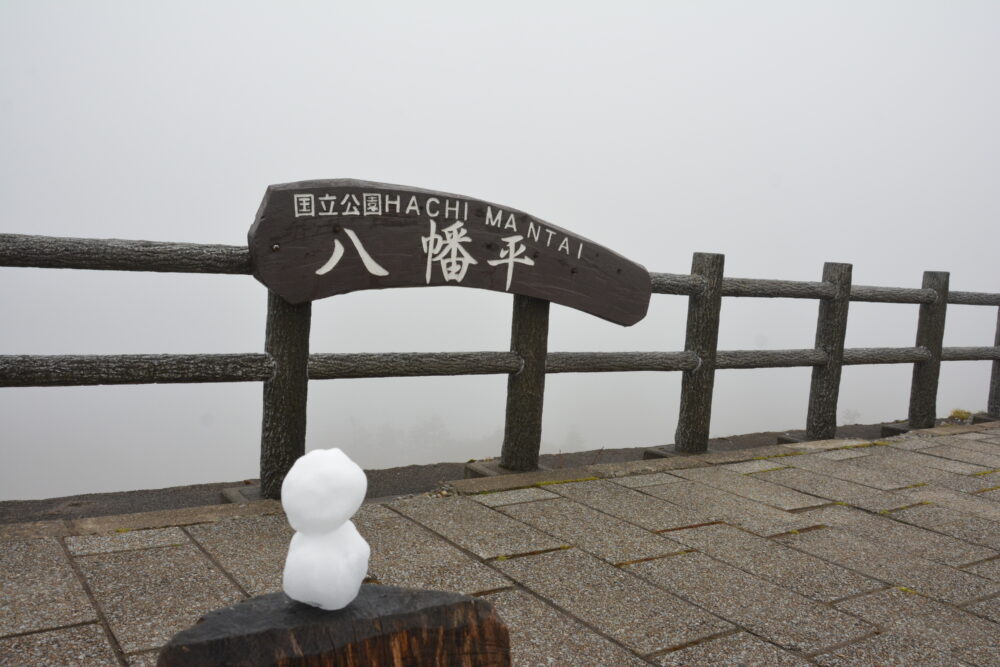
[529, 335]
[76, 370]
[702, 339]
[930, 335]
[384, 626]
[411, 364]
[677, 283]
[970, 353]
[314, 239]
[788, 289]
[891, 294]
[730, 359]
[859, 356]
[619, 362]
[993, 400]
[283, 427]
[974, 298]
[831, 328]
[50, 252]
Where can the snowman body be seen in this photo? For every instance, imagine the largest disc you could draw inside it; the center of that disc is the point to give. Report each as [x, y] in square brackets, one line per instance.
[327, 557]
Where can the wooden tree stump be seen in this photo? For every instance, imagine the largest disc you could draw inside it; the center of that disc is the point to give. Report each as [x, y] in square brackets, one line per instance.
[383, 626]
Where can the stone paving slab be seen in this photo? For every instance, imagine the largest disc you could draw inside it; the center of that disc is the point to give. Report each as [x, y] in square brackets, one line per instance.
[78, 645]
[99, 525]
[890, 648]
[751, 487]
[540, 635]
[640, 481]
[912, 444]
[898, 569]
[989, 609]
[482, 530]
[406, 554]
[895, 535]
[134, 539]
[981, 444]
[604, 536]
[823, 445]
[967, 483]
[851, 471]
[963, 502]
[251, 549]
[768, 611]
[945, 520]
[953, 631]
[515, 496]
[508, 482]
[835, 490]
[617, 469]
[631, 505]
[740, 649]
[632, 611]
[988, 569]
[149, 595]
[990, 461]
[919, 464]
[147, 659]
[38, 586]
[721, 506]
[755, 454]
[29, 529]
[746, 467]
[802, 573]
[842, 454]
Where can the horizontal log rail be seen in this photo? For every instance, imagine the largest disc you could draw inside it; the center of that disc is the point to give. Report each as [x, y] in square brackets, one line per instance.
[66, 370]
[50, 252]
[619, 362]
[414, 364]
[83, 370]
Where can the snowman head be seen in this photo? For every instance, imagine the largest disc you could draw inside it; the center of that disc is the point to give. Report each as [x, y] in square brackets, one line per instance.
[323, 489]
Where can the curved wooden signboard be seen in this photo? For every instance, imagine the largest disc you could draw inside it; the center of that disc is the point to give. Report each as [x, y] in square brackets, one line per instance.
[314, 239]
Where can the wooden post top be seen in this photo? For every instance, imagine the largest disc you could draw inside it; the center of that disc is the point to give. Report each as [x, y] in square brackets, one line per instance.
[314, 239]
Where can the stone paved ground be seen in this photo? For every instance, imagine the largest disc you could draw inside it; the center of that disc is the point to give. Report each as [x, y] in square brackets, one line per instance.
[830, 553]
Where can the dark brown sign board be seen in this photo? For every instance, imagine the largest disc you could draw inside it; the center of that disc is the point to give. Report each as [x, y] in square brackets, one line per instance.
[314, 239]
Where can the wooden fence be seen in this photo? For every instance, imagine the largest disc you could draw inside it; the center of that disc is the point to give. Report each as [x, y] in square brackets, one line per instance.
[286, 365]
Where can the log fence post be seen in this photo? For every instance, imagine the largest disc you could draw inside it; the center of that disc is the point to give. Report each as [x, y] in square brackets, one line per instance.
[702, 338]
[993, 400]
[529, 333]
[831, 328]
[283, 428]
[930, 336]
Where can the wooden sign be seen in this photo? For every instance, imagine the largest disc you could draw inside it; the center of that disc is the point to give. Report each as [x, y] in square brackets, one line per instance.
[315, 239]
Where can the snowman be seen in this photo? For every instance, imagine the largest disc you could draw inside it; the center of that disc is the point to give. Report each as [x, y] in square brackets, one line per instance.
[327, 558]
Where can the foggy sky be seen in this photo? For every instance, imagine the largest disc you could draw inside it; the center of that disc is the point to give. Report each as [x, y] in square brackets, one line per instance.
[782, 134]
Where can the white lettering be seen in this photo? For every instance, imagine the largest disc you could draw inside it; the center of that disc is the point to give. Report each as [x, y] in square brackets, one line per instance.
[564, 245]
[351, 204]
[549, 240]
[327, 204]
[393, 202]
[491, 220]
[373, 203]
[427, 207]
[511, 224]
[413, 205]
[449, 209]
[534, 230]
